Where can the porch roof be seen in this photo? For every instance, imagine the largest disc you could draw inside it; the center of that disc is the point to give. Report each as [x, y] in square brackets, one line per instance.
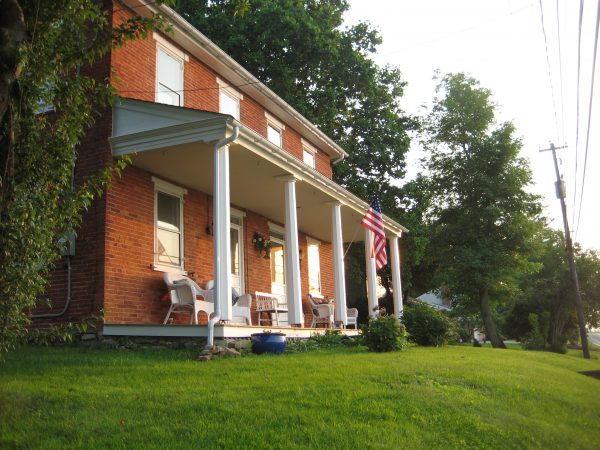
[176, 143]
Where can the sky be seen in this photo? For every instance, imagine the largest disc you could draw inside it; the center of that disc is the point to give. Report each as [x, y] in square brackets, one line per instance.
[533, 81]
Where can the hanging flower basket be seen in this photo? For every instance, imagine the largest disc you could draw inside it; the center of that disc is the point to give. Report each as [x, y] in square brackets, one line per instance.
[262, 244]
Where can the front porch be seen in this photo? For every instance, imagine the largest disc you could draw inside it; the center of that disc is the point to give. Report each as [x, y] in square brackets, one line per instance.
[220, 331]
[201, 186]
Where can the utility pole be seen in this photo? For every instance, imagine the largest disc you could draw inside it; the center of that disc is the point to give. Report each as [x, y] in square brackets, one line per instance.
[560, 194]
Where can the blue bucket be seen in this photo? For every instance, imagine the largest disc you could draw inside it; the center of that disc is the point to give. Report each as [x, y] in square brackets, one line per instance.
[268, 343]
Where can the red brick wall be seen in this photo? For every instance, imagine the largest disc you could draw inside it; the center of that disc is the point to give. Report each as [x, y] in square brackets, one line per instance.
[134, 64]
[135, 291]
[135, 77]
[87, 269]
[253, 116]
[115, 244]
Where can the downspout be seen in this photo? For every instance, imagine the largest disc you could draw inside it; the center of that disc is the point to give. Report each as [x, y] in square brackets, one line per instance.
[68, 299]
[67, 302]
[339, 160]
[217, 317]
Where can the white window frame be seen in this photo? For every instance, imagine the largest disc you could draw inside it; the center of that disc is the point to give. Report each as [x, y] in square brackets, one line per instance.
[313, 242]
[280, 231]
[277, 126]
[226, 90]
[307, 148]
[240, 215]
[165, 46]
[168, 188]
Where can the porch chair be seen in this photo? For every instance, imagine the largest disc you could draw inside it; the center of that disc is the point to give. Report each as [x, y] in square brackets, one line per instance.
[241, 310]
[184, 293]
[322, 312]
[273, 304]
[352, 317]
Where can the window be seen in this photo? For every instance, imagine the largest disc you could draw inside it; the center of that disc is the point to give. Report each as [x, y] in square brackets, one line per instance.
[274, 130]
[274, 135]
[229, 99]
[314, 267]
[168, 245]
[229, 105]
[237, 250]
[169, 79]
[308, 153]
[308, 158]
[277, 260]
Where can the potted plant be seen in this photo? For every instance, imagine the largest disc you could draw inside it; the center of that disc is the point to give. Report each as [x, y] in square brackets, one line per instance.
[267, 342]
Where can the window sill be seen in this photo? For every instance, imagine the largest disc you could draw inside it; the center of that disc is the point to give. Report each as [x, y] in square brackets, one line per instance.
[163, 268]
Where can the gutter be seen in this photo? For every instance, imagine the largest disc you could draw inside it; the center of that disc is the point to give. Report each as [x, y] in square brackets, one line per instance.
[217, 317]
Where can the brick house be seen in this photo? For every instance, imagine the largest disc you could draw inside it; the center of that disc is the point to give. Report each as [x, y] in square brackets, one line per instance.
[217, 159]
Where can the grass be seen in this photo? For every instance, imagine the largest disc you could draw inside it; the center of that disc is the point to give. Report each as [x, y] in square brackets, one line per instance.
[453, 397]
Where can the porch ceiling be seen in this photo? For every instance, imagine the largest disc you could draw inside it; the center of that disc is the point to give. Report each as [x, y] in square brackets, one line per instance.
[254, 185]
[177, 144]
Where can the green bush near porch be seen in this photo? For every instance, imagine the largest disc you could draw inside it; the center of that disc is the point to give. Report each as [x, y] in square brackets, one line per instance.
[450, 397]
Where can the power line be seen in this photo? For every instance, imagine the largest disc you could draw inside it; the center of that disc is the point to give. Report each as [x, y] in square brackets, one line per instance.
[452, 33]
[562, 98]
[589, 125]
[142, 91]
[549, 68]
[578, 95]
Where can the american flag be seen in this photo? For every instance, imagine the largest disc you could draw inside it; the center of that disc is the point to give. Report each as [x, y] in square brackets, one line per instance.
[374, 221]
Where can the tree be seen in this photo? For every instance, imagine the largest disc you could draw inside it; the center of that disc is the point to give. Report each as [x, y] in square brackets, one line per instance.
[549, 292]
[482, 217]
[299, 49]
[48, 99]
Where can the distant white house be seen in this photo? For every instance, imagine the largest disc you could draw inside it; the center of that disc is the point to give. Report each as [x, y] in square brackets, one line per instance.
[436, 300]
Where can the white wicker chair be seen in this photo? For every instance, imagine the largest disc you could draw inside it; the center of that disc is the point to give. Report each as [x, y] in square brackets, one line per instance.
[241, 309]
[184, 295]
[322, 313]
[352, 317]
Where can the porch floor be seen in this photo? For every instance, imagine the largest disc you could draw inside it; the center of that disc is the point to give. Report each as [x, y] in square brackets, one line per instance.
[221, 331]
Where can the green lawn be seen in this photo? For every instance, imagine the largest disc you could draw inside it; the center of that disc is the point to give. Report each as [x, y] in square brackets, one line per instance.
[453, 397]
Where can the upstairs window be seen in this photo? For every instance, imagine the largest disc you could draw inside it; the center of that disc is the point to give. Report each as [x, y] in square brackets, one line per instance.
[308, 158]
[169, 72]
[274, 135]
[274, 130]
[229, 100]
[169, 79]
[308, 153]
[229, 104]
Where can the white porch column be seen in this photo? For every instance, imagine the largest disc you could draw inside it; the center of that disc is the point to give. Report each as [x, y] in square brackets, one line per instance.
[339, 276]
[396, 277]
[371, 273]
[222, 238]
[292, 254]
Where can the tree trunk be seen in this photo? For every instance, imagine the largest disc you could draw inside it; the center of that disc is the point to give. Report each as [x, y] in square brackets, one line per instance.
[488, 320]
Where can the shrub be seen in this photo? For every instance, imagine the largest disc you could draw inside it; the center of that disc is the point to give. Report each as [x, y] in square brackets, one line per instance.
[384, 334]
[425, 325]
[329, 339]
[63, 333]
